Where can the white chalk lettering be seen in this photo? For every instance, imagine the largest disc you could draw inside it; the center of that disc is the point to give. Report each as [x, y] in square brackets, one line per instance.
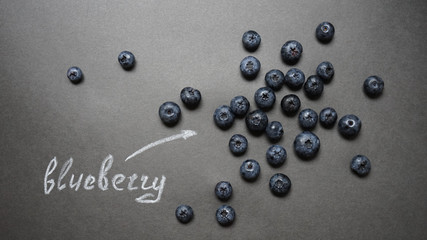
[117, 179]
[90, 180]
[77, 184]
[131, 181]
[49, 170]
[64, 170]
[105, 167]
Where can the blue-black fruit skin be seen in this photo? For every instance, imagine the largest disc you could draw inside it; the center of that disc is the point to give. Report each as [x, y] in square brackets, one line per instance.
[306, 145]
[313, 87]
[373, 86]
[265, 98]
[276, 155]
[250, 170]
[240, 106]
[256, 121]
[307, 119]
[360, 165]
[325, 31]
[294, 79]
[225, 215]
[274, 79]
[251, 40]
[169, 113]
[126, 60]
[291, 52]
[191, 97]
[238, 144]
[223, 190]
[223, 117]
[328, 117]
[325, 70]
[250, 67]
[274, 131]
[349, 126]
[184, 213]
[75, 74]
[280, 184]
[290, 104]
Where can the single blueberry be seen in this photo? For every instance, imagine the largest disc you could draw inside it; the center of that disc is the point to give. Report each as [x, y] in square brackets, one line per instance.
[127, 60]
[223, 190]
[361, 165]
[169, 113]
[307, 119]
[294, 79]
[265, 98]
[274, 131]
[290, 104]
[325, 32]
[184, 213]
[239, 106]
[75, 75]
[306, 145]
[313, 87]
[280, 184]
[249, 67]
[373, 86]
[275, 79]
[238, 144]
[325, 70]
[256, 121]
[190, 97]
[250, 170]
[349, 126]
[225, 215]
[251, 40]
[328, 117]
[223, 117]
[291, 52]
[276, 155]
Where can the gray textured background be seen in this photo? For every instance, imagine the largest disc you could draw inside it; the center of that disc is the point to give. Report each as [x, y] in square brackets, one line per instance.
[187, 43]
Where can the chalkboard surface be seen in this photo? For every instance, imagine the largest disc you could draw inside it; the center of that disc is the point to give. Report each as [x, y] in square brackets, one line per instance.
[64, 146]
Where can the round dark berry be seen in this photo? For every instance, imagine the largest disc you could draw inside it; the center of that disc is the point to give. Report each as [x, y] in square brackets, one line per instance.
[238, 144]
[294, 79]
[126, 60]
[190, 97]
[290, 104]
[373, 86]
[250, 170]
[325, 32]
[349, 126]
[325, 70]
[361, 165]
[240, 106]
[313, 87]
[75, 75]
[169, 113]
[327, 117]
[223, 117]
[307, 119]
[225, 215]
[276, 155]
[291, 52]
[306, 145]
[251, 40]
[274, 131]
[256, 121]
[280, 184]
[184, 213]
[223, 190]
[249, 67]
[265, 98]
[275, 79]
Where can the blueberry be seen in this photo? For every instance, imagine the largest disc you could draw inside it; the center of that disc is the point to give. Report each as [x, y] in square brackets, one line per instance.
[238, 144]
[306, 145]
[280, 184]
[327, 117]
[256, 121]
[225, 215]
[184, 213]
[223, 117]
[265, 98]
[307, 119]
[276, 155]
[250, 67]
[290, 104]
[325, 70]
[169, 113]
[325, 32]
[275, 79]
[373, 86]
[251, 40]
[349, 126]
[294, 79]
[127, 60]
[291, 52]
[360, 165]
[190, 97]
[223, 190]
[313, 87]
[239, 106]
[250, 170]
[274, 131]
[75, 74]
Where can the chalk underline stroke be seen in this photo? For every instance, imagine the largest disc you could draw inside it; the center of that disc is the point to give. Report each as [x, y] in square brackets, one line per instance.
[184, 135]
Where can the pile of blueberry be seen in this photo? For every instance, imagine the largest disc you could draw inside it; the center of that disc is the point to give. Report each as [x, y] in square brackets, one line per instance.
[306, 144]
